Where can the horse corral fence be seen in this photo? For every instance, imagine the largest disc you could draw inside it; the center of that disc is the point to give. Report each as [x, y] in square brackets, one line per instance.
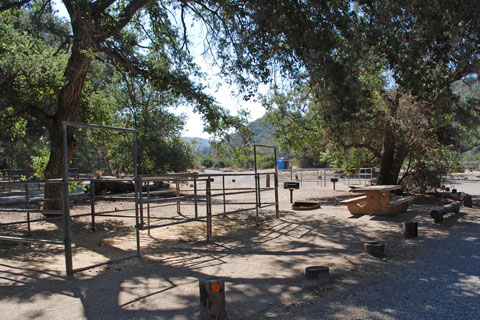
[150, 195]
[324, 176]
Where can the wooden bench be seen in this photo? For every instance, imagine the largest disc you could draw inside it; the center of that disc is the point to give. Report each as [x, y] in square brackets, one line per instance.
[398, 201]
[352, 200]
[403, 202]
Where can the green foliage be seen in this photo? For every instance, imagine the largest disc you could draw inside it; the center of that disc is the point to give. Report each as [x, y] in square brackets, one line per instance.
[207, 163]
[32, 71]
[11, 124]
[371, 75]
[39, 163]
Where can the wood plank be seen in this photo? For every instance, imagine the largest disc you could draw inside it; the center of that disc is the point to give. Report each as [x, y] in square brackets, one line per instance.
[379, 188]
[347, 201]
[398, 201]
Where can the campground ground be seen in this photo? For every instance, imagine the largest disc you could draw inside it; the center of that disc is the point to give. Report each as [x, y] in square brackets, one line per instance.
[434, 276]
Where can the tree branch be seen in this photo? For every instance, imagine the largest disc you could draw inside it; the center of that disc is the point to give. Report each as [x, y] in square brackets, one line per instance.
[180, 85]
[126, 16]
[101, 5]
[11, 5]
[41, 115]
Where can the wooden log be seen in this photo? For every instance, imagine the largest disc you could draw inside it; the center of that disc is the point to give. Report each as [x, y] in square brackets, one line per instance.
[212, 299]
[438, 213]
[410, 230]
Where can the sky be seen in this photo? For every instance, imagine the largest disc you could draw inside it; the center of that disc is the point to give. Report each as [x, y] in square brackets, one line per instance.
[222, 94]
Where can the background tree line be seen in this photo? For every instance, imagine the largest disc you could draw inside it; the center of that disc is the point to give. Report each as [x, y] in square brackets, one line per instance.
[369, 80]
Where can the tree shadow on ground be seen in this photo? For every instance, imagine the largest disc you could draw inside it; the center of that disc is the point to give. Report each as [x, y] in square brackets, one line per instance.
[164, 283]
[440, 283]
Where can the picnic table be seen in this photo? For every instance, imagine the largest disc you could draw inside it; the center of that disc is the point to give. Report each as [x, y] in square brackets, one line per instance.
[376, 200]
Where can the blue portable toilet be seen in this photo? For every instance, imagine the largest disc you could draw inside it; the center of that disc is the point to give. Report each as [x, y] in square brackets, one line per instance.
[282, 164]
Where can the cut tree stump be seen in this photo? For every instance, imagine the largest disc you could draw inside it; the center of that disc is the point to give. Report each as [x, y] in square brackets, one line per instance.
[376, 249]
[316, 272]
[410, 230]
[467, 200]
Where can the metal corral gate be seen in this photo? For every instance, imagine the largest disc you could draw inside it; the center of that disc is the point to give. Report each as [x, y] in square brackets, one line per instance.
[202, 192]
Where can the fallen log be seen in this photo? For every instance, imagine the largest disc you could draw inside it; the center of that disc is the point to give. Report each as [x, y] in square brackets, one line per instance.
[438, 213]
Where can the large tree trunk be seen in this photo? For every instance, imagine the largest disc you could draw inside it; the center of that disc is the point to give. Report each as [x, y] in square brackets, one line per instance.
[388, 168]
[68, 110]
[394, 150]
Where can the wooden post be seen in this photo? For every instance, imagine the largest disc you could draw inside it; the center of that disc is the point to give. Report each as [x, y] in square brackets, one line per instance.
[268, 181]
[410, 230]
[212, 299]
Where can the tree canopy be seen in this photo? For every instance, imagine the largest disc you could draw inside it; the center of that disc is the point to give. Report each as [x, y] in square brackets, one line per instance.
[374, 75]
[46, 79]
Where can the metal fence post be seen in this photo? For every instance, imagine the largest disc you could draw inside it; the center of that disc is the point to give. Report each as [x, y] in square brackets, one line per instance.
[148, 206]
[277, 211]
[177, 194]
[28, 207]
[92, 202]
[195, 196]
[224, 201]
[67, 231]
[209, 210]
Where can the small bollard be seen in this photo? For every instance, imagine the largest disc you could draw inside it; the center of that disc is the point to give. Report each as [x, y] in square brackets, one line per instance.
[268, 181]
[410, 230]
[212, 299]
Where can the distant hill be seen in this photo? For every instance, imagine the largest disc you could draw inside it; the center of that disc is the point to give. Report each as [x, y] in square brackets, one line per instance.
[200, 144]
[262, 132]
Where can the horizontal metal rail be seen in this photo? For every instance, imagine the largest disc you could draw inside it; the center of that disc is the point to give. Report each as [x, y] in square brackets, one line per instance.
[30, 240]
[114, 198]
[30, 210]
[266, 205]
[136, 255]
[32, 181]
[171, 223]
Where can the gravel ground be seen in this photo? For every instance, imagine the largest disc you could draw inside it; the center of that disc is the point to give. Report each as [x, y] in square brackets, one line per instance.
[441, 281]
